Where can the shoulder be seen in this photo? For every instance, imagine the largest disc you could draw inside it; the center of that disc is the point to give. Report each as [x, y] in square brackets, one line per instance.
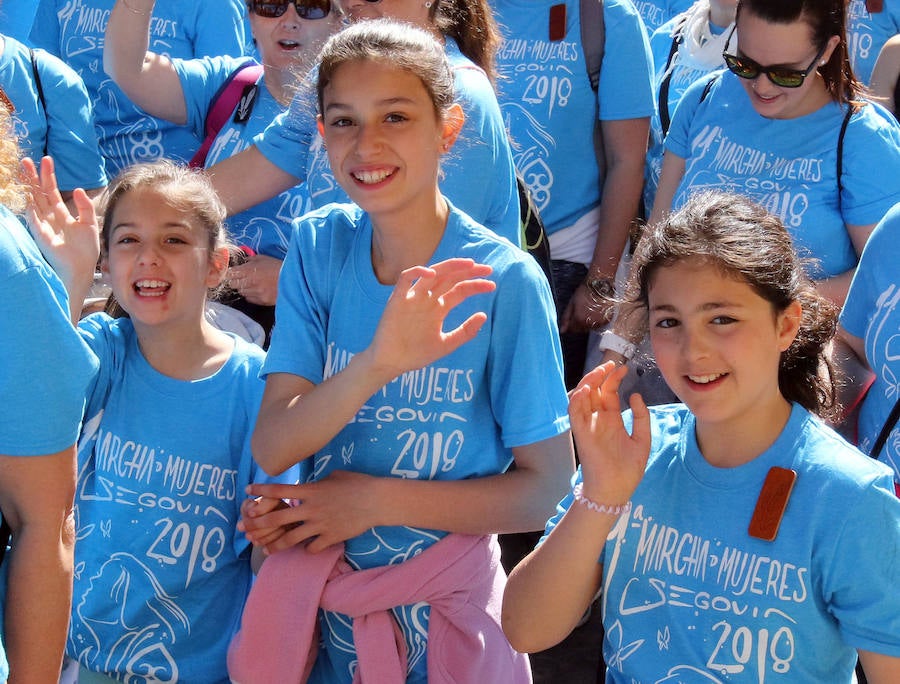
[100, 328]
[321, 226]
[619, 10]
[485, 246]
[871, 119]
[834, 463]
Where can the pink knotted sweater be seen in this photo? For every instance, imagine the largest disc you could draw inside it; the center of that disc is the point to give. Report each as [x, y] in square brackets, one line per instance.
[460, 576]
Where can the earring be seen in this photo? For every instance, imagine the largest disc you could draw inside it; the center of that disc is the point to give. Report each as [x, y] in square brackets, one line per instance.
[428, 4]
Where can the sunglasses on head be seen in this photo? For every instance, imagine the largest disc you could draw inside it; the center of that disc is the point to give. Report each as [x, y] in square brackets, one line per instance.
[306, 9]
[784, 77]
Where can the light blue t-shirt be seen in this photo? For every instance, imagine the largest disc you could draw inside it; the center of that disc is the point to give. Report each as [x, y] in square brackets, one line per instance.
[868, 32]
[62, 125]
[161, 572]
[690, 596]
[266, 227]
[675, 74]
[46, 366]
[655, 13]
[477, 174]
[456, 418]
[16, 18]
[790, 165]
[550, 107]
[74, 30]
[871, 313]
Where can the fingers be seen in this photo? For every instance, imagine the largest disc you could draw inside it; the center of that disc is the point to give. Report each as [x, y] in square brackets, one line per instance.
[640, 432]
[85, 206]
[275, 491]
[465, 332]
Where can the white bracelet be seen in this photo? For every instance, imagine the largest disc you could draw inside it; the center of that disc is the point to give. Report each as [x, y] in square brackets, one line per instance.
[600, 508]
[617, 343]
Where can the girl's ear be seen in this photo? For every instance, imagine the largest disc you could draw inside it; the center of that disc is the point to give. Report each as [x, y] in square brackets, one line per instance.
[218, 264]
[320, 124]
[788, 325]
[831, 45]
[453, 123]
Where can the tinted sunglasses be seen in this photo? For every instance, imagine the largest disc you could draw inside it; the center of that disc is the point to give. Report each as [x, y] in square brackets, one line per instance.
[780, 76]
[307, 9]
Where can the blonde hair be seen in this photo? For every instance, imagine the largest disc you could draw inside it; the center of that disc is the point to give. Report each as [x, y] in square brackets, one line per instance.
[13, 194]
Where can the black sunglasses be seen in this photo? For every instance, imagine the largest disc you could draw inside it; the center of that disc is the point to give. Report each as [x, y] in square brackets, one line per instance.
[780, 76]
[307, 9]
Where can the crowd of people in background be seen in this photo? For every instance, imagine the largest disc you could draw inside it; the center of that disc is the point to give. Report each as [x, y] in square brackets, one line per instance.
[291, 390]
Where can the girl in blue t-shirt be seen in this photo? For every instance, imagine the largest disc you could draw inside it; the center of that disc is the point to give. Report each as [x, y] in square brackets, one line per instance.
[734, 536]
[788, 125]
[161, 572]
[415, 358]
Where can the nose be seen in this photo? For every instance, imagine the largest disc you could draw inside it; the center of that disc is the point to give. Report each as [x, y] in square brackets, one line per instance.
[148, 255]
[291, 18]
[694, 344]
[368, 140]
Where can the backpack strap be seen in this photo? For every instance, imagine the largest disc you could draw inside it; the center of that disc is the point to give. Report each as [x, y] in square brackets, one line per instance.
[889, 424]
[237, 94]
[39, 87]
[677, 39]
[840, 152]
[593, 38]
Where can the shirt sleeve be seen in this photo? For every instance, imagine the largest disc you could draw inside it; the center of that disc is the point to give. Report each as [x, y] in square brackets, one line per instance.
[626, 73]
[45, 369]
[71, 133]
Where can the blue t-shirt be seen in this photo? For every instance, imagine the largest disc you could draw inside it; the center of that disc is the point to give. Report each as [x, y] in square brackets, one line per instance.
[74, 30]
[867, 33]
[456, 418]
[161, 572]
[655, 13]
[477, 174]
[790, 165]
[675, 74]
[266, 227]
[871, 313]
[690, 596]
[46, 366]
[61, 126]
[550, 107]
[16, 18]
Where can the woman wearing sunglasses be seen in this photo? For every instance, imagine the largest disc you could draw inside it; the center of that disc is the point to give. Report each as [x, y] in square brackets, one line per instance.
[288, 36]
[787, 124]
[479, 177]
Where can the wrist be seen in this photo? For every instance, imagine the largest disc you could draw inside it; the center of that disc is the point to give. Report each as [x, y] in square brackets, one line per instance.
[616, 344]
[602, 287]
[596, 506]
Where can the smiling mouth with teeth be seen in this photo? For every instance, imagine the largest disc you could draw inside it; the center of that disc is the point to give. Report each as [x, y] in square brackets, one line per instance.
[705, 379]
[151, 288]
[372, 177]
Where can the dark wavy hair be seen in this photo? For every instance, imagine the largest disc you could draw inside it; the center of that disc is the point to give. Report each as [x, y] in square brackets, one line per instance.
[737, 236]
[825, 18]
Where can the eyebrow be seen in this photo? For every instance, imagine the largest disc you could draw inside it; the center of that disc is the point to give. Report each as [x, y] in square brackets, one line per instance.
[706, 306]
[387, 102]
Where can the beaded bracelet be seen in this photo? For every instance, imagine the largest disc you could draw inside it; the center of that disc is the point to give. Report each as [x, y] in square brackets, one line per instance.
[600, 508]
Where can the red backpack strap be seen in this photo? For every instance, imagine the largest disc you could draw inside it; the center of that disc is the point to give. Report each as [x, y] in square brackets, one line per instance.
[223, 104]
